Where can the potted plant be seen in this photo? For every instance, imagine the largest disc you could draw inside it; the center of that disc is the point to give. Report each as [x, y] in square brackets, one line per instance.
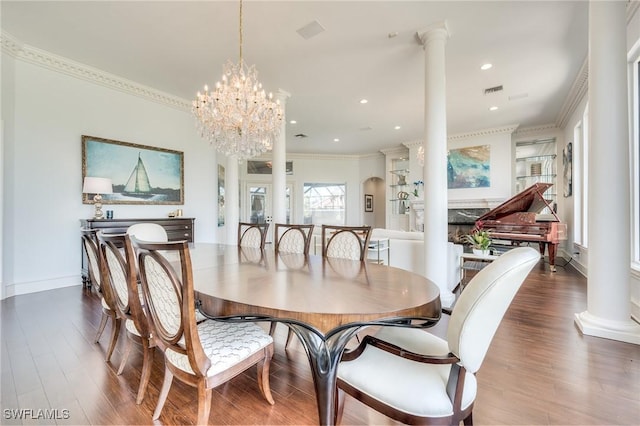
[481, 241]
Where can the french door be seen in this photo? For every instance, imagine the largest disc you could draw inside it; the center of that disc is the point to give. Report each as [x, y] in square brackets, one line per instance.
[258, 207]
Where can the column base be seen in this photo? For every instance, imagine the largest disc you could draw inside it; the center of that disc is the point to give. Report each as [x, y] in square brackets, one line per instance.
[623, 331]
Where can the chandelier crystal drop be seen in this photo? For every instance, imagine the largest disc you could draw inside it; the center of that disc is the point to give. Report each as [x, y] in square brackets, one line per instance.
[237, 115]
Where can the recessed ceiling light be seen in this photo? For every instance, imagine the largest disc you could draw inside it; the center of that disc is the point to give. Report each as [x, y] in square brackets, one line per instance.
[485, 67]
[493, 108]
[397, 127]
[363, 101]
[336, 140]
[293, 122]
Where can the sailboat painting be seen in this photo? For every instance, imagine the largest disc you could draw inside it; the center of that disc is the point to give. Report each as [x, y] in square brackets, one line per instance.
[140, 174]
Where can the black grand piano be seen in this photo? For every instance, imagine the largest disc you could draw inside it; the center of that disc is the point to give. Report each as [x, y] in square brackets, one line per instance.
[519, 220]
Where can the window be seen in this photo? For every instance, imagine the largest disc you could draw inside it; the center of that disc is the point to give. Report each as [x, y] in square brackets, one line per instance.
[324, 203]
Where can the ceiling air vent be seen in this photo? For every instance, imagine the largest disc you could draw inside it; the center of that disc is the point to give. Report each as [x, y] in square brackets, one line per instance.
[301, 136]
[491, 90]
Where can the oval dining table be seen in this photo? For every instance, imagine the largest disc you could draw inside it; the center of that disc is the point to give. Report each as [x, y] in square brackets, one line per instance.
[325, 301]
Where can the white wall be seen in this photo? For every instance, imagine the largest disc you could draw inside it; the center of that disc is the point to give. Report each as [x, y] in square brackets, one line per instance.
[43, 175]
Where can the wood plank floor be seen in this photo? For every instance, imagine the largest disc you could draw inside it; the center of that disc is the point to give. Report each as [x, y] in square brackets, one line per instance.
[539, 370]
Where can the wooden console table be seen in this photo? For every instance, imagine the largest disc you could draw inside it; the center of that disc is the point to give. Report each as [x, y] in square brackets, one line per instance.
[178, 229]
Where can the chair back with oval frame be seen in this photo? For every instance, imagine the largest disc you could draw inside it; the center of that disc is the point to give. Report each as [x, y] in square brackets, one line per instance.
[345, 242]
[252, 234]
[292, 238]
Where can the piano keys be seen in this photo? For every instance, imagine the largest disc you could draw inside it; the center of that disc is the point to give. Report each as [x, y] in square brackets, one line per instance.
[519, 219]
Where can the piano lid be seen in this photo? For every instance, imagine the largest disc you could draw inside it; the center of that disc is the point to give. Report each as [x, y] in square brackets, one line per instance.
[529, 200]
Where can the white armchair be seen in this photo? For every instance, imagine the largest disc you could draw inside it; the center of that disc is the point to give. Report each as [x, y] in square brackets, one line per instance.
[413, 376]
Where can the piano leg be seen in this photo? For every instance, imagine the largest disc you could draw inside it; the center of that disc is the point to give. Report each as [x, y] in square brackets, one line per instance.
[552, 256]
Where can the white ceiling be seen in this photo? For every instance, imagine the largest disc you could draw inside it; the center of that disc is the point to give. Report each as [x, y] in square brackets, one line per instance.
[536, 48]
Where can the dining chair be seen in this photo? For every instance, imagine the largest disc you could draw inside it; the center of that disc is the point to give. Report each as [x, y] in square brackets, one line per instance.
[292, 238]
[203, 355]
[148, 232]
[100, 282]
[252, 234]
[345, 242]
[414, 376]
[121, 265]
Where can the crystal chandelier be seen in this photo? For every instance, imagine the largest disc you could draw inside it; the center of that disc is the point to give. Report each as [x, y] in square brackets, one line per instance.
[237, 116]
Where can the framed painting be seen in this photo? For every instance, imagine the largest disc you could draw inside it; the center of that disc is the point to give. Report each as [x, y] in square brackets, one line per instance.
[469, 167]
[567, 164]
[368, 202]
[140, 174]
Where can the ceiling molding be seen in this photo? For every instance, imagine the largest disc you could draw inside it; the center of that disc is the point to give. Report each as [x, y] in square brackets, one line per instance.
[484, 132]
[575, 96]
[396, 150]
[526, 131]
[30, 54]
[632, 9]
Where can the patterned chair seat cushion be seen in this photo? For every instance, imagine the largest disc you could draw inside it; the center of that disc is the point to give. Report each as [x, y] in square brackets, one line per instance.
[224, 343]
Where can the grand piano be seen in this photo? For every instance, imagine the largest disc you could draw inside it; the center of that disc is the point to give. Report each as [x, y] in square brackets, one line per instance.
[519, 220]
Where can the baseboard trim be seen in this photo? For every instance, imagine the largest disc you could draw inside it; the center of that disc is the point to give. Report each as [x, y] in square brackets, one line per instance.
[37, 286]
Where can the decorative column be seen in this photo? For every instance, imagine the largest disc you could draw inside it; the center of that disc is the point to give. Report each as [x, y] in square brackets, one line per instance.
[608, 312]
[279, 164]
[434, 39]
[232, 199]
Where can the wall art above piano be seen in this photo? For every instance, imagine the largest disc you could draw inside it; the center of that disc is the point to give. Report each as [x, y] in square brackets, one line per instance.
[567, 163]
[469, 167]
[140, 174]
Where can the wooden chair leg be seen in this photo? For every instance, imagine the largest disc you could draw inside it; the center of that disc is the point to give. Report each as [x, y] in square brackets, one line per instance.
[125, 355]
[263, 375]
[289, 336]
[339, 406]
[204, 402]
[147, 355]
[468, 421]
[272, 328]
[164, 392]
[115, 331]
[103, 324]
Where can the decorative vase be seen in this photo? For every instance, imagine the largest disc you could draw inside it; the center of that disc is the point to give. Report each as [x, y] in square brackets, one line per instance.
[480, 252]
[402, 180]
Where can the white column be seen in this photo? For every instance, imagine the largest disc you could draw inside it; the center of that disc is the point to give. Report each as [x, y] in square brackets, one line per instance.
[278, 170]
[434, 39]
[608, 312]
[232, 199]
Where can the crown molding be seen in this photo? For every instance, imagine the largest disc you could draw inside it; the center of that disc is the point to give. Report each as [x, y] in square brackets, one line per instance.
[484, 132]
[632, 9]
[536, 130]
[575, 96]
[23, 52]
[396, 150]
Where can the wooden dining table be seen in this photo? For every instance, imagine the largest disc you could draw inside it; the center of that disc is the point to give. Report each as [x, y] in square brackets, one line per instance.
[325, 301]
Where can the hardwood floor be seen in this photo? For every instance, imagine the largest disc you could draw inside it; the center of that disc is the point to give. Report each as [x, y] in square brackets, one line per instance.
[539, 369]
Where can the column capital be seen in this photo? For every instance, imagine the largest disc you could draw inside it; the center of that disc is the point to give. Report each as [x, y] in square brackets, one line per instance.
[282, 95]
[435, 31]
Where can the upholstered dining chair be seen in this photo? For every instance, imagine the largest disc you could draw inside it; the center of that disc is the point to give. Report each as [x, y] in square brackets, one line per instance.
[121, 266]
[292, 238]
[100, 282]
[202, 355]
[414, 376]
[147, 231]
[345, 242]
[252, 234]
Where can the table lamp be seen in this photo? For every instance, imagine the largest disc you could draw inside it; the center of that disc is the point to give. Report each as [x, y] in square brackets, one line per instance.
[97, 186]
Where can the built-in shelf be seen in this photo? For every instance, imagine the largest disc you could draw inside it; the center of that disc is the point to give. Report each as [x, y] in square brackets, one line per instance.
[536, 162]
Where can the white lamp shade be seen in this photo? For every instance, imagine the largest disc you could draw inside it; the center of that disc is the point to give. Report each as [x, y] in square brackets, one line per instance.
[97, 185]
